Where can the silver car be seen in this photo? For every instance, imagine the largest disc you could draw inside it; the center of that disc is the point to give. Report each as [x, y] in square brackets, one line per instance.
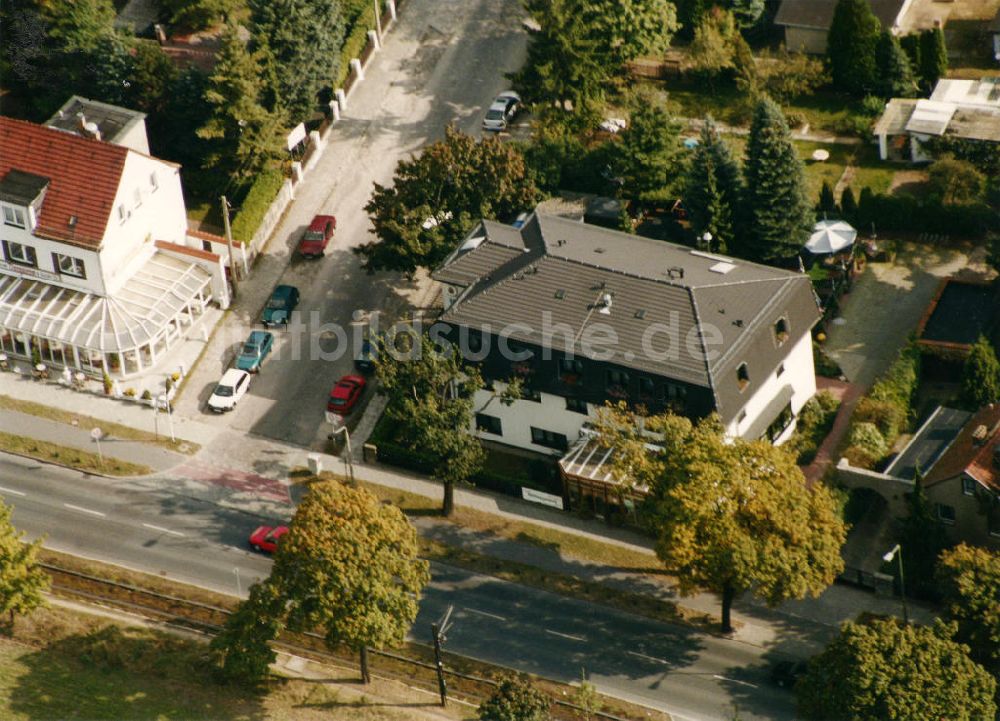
[502, 111]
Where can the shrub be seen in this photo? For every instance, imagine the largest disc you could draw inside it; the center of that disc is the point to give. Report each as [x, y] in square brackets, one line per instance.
[922, 215]
[884, 415]
[146, 395]
[256, 203]
[866, 438]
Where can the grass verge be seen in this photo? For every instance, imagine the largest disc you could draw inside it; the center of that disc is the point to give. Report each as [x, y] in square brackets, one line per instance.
[80, 460]
[111, 429]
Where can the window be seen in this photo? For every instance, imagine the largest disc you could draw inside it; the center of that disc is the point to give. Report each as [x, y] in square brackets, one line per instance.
[743, 376]
[570, 371]
[138, 197]
[780, 423]
[968, 486]
[946, 514]
[122, 214]
[742, 417]
[576, 405]
[781, 330]
[646, 386]
[153, 182]
[14, 216]
[617, 378]
[674, 392]
[549, 439]
[489, 424]
[68, 265]
[993, 516]
[20, 254]
[530, 394]
[781, 369]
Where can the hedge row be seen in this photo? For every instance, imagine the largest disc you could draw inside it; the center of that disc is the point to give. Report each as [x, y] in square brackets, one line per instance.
[356, 40]
[885, 411]
[918, 215]
[256, 203]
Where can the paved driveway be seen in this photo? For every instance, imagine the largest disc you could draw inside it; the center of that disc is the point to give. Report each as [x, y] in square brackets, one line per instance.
[886, 304]
[443, 62]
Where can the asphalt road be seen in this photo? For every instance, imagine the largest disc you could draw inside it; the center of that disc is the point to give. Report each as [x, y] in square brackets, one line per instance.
[689, 674]
[442, 63]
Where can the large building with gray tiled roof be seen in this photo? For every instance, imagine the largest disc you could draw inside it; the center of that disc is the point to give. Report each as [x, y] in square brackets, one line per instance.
[585, 315]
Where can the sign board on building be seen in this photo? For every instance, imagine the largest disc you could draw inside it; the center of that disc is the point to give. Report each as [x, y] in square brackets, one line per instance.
[546, 499]
[27, 272]
[295, 137]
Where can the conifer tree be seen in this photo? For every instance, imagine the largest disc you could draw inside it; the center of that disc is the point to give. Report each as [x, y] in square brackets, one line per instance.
[712, 190]
[300, 40]
[848, 205]
[850, 47]
[778, 215]
[242, 134]
[933, 57]
[827, 203]
[895, 74]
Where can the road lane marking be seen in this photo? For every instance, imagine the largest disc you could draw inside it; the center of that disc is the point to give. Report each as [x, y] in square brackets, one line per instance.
[161, 529]
[735, 680]
[12, 492]
[84, 510]
[484, 613]
[654, 659]
[566, 635]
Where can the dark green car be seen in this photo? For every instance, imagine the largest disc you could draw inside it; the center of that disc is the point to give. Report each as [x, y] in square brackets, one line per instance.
[280, 305]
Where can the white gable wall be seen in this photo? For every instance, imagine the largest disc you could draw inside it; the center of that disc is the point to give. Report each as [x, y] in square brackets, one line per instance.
[156, 213]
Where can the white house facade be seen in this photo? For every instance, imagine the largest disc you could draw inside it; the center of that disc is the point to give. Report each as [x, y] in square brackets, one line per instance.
[98, 272]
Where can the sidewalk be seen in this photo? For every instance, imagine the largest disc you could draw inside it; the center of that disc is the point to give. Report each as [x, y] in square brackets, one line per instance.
[43, 429]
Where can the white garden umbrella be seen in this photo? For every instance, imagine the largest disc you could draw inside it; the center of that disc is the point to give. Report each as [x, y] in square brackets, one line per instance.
[830, 236]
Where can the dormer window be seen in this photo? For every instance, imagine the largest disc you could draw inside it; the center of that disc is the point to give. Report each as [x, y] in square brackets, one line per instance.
[781, 330]
[742, 376]
[12, 215]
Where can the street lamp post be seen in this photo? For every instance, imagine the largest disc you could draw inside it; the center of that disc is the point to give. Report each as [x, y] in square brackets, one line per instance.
[343, 429]
[897, 553]
[706, 239]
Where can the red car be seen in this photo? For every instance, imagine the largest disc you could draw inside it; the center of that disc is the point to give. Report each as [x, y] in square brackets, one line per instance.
[317, 236]
[345, 394]
[266, 538]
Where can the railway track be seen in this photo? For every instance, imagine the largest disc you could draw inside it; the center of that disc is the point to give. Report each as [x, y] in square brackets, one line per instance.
[415, 670]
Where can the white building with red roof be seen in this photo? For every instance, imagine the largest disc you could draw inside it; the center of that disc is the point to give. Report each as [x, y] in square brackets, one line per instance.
[97, 270]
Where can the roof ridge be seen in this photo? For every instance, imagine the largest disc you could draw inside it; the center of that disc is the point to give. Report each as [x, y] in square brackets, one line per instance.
[57, 132]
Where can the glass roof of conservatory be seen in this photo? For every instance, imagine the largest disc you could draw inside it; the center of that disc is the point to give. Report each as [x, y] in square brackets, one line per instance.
[128, 319]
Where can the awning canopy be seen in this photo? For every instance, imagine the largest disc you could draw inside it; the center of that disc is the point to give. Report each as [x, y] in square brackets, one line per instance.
[128, 319]
[831, 236]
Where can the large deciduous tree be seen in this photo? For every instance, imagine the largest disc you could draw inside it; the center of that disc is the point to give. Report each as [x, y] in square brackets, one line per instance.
[242, 134]
[349, 566]
[895, 73]
[981, 375]
[712, 48]
[885, 670]
[430, 395]
[729, 515]
[850, 48]
[627, 29]
[712, 189]
[22, 582]
[437, 195]
[778, 214]
[301, 41]
[969, 583]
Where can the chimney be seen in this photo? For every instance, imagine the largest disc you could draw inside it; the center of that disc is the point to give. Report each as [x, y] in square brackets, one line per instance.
[604, 304]
[88, 129]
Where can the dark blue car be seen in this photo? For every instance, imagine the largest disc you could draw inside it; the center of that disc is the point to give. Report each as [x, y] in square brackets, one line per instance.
[254, 350]
[280, 305]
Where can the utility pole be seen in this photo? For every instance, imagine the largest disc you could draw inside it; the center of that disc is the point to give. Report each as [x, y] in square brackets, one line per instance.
[437, 632]
[378, 21]
[229, 243]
